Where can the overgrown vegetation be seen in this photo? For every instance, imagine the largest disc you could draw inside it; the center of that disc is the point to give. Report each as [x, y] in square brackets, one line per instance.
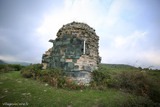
[143, 83]
[30, 93]
[54, 77]
[10, 67]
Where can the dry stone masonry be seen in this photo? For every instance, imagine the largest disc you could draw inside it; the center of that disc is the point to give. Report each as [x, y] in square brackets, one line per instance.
[75, 50]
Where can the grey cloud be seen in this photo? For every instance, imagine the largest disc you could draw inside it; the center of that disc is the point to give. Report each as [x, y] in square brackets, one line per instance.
[18, 21]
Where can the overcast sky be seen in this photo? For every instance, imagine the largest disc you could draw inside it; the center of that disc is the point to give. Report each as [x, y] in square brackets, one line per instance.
[129, 30]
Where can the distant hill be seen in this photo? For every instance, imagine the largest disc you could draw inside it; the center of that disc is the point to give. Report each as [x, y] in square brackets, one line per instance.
[2, 62]
[117, 65]
[20, 63]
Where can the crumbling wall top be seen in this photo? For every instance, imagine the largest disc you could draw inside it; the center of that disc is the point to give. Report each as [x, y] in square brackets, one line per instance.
[77, 26]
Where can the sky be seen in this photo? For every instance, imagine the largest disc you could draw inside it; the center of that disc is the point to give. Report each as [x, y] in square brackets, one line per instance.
[129, 30]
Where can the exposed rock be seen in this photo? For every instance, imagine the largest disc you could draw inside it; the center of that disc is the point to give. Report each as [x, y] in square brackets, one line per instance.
[75, 50]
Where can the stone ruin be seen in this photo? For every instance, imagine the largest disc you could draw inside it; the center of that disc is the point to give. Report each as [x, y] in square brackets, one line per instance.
[75, 50]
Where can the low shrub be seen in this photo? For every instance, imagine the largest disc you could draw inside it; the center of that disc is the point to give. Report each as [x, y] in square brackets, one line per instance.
[10, 67]
[154, 90]
[31, 71]
[27, 74]
[100, 80]
[57, 78]
[137, 81]
[134, 82]
[54, 77]
[129, 81]
[138, 102]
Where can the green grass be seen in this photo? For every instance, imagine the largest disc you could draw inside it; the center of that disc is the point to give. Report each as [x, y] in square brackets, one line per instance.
[15, 89]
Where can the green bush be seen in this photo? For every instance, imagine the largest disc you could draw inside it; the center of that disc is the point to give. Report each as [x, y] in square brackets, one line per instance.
[54, 77]
[10, 67]
[27, 74]
[135, 82]
[132, 81]
[31, 71]
[139, 83]
[100, 80]
[154, 88]
[138, 102]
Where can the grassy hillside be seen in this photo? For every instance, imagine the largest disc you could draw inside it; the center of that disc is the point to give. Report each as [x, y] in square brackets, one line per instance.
[116, 67]
[16, 90]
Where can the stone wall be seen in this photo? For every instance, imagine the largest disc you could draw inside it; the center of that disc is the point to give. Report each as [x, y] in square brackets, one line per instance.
[75, 50]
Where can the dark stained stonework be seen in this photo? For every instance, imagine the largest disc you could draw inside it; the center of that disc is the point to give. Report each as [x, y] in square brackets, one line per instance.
[75, 50]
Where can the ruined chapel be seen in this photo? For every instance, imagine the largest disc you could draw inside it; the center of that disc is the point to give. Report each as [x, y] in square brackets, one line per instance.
[75, 50]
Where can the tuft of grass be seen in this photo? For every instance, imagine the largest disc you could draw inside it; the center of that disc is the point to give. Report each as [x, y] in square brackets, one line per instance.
[14, 89]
